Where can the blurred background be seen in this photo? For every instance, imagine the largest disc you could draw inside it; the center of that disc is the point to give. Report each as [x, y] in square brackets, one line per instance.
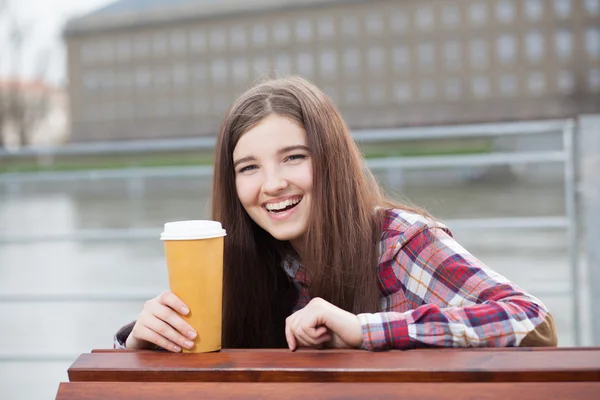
[485, 112]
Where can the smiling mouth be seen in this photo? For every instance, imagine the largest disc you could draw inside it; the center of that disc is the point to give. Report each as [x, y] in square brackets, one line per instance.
[276, 208]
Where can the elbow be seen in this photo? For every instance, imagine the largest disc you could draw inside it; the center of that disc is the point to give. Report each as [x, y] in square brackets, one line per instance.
[544, 335]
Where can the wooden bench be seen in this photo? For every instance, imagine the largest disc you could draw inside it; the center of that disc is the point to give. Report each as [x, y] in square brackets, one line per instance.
[534, 373]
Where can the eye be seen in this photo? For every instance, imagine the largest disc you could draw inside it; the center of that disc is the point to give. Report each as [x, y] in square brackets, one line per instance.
[295, 157]
[247, 168]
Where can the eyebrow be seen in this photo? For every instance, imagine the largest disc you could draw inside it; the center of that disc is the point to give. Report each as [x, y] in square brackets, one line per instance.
[282, 150]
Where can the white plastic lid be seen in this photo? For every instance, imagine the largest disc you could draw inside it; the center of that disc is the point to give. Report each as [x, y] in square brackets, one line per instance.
[191, 230]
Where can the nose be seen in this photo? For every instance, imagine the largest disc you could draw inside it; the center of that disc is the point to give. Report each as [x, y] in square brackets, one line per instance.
[273, 182]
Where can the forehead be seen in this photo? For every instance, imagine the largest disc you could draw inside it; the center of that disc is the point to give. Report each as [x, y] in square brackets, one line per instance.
[270, 135]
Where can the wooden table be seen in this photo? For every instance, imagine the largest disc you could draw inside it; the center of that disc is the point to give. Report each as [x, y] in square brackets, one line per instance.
[533, 373]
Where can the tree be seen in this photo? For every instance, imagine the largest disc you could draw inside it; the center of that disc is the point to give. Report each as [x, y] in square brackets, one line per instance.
[22, 105]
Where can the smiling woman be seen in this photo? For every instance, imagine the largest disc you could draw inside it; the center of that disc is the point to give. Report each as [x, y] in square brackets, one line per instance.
[316, 256]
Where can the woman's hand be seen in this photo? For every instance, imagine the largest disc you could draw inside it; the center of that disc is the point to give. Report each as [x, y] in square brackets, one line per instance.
[160, 324]
[322, 323]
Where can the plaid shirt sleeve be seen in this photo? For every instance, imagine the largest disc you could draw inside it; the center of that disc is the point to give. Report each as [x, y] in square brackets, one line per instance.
[436, 294]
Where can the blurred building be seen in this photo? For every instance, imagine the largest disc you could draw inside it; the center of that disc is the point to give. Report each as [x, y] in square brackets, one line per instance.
[166, 68]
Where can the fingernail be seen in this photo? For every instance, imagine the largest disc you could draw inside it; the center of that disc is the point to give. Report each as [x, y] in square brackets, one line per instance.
[192, 335]
[189, 344]
[177, 348]
[185, 310]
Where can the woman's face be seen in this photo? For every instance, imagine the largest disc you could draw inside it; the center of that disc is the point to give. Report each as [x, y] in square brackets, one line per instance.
[273, 177]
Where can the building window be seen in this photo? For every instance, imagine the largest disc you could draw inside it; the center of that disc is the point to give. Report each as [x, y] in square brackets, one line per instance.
[305, 64]
[199, 72]
[237, 37]
[218, 39]
[259, 35]
[180, 74]
[88, 53]
[260, 65]
[533, 9]
[452, 55]
[398, 21]
[350, 25]
[162, 108]
[326, 27]
[331, 92]
[353, 94]
[141, 46]
[123, 49]
[143, 77]
[480, 86]
[427, 90]
[201, 105]
[90, 81]
[565, 82]
[536, 83]
[426, 54]
[479, 54]
[220, 103]
[424, 18]
[352, 61]
[240, 69]
[402, 92]
[376, 59]
[377, 92]
[283, 64]
[592, 42]
[178, 42]
[505, 11]
[198, 40]
[562, 8]
[281, 32]
[506, 48]
[594, 80]
[563, 42]
[534, 46]
[303, 30]
[478, 13]
[161, 77]
[592, 7]
[104, 51]
[180, 106]
[328, 63]
[508, 85]
[374, 24]
[401, 58]
[453, 88]
[218, 71]
[451, 15]
[159, 44]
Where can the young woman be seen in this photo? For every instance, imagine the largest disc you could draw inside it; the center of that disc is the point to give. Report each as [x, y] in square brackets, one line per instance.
[315, 256]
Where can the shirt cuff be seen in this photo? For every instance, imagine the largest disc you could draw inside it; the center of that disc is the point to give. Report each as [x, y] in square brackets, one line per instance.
[384, 330]
[120, 338]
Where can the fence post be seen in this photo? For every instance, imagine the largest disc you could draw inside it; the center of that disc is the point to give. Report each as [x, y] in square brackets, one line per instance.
[589, 140]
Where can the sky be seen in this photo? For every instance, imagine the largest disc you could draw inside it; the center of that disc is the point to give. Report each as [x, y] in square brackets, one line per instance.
[43, 20]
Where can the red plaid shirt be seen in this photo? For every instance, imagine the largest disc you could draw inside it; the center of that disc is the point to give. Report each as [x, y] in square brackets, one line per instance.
[434, 293]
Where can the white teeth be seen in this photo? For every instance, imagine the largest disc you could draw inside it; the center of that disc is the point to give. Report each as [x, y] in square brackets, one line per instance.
[281, 205]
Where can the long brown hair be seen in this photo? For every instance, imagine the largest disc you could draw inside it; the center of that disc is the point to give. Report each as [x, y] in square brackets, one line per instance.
[344, 229]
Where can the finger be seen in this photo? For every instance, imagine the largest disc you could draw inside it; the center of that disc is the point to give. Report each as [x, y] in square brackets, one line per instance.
[320, 331]
[171, 300]
[289, 336]
[146, 334]
[168, 332]
[167, 314]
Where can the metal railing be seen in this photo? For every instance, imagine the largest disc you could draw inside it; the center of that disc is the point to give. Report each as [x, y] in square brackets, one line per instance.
[567, 156]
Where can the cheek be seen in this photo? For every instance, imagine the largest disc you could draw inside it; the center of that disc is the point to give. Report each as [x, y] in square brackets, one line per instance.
[246, 190]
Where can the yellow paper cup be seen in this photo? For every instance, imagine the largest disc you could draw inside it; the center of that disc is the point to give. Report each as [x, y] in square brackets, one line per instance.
[194, 253]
